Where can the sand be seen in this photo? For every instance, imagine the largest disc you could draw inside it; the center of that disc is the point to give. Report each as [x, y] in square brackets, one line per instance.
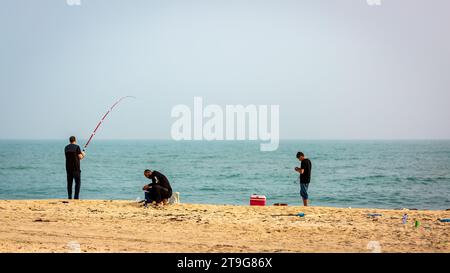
[123, 226]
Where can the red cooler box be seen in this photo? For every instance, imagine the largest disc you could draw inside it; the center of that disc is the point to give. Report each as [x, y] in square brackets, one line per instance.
[257, 200]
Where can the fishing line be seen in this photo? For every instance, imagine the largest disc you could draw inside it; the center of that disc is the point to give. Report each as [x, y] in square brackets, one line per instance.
[103, 118]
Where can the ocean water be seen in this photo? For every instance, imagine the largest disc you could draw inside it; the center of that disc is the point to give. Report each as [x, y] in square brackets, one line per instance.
[379, 174]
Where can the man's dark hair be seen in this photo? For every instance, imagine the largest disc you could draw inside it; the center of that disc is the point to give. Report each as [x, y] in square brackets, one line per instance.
[72, 139]
[299, 154]
[147, 170]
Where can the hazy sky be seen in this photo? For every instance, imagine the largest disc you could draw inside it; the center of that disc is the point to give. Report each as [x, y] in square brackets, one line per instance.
[338, 69]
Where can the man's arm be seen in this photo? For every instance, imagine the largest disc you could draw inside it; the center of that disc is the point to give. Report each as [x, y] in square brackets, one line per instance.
[299, 170]
[152, 178]
[81, 154]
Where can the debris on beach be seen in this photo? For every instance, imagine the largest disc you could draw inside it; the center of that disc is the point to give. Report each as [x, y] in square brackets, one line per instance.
[416, 224]
[301, 214]
[405, 219]
[41, 220]
[374, 215]
[94, 210]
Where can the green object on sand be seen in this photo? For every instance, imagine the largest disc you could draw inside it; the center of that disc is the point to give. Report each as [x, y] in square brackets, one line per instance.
[301, 214]
[416, 224]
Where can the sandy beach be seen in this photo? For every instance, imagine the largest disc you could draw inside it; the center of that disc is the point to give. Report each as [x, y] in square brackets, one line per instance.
[123, 226]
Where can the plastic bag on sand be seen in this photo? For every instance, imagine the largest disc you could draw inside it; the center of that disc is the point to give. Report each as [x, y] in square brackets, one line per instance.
[175, 198]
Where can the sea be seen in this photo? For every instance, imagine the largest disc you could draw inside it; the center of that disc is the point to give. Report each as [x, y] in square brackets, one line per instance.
[391, 174]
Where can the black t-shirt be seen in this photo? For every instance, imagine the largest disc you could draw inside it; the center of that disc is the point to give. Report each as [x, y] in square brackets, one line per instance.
[306, 166]
[72, 160]
[160, 179]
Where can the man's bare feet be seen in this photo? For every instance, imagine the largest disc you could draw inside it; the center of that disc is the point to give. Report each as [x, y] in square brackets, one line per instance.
[159, 205]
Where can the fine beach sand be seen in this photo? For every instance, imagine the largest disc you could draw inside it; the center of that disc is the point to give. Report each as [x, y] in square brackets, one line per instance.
[122, 226]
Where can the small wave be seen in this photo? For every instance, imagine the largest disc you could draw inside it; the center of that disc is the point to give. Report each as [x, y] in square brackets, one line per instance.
[411, 178]
[426, 180]
[375, 176]
[209, 157]
[209, 189]
[443, 178]
[17, 168]
[230, 175]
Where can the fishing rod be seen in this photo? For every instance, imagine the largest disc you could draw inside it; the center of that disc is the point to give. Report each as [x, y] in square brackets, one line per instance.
[103, 118]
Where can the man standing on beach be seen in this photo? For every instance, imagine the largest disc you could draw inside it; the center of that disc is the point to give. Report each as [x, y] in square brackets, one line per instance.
[305, 176]
[73, 157]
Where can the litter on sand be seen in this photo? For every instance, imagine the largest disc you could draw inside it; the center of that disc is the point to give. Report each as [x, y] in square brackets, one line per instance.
[374, 214]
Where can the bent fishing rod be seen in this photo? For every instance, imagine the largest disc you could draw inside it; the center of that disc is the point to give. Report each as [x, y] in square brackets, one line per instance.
[103, 118]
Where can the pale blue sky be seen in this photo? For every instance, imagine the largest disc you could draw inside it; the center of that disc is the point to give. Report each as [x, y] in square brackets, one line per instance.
[338, 69]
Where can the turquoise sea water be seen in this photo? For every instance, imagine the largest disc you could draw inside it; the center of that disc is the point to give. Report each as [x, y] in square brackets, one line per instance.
[381, 174]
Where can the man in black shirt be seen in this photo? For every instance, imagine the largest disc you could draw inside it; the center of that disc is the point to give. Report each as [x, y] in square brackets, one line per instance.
[159, 190]
[305, 176]
[73, 157]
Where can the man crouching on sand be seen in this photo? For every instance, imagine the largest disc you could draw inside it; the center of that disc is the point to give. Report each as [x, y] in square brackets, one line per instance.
[159, 191]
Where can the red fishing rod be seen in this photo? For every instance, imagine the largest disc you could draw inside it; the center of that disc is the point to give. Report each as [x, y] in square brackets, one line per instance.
[103, 118]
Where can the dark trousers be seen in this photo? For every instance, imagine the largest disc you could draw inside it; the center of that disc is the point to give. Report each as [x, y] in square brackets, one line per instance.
[70, 177]
[157, 193]
[304, 190]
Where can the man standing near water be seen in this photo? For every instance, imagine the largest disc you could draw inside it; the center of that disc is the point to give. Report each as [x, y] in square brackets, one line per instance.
[305, 176]
[73, 157]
